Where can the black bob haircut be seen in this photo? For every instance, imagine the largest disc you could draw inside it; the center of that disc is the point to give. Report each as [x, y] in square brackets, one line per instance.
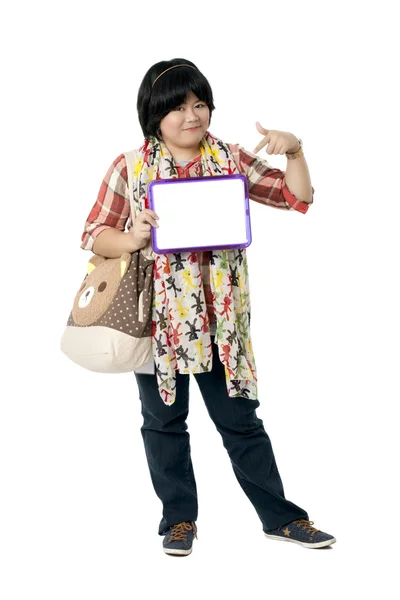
[169, 91]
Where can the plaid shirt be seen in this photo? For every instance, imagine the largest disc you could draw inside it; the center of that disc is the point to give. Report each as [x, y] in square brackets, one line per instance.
[112, 207]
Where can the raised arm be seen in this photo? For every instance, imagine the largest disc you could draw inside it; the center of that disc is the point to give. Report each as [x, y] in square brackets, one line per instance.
[267, 185]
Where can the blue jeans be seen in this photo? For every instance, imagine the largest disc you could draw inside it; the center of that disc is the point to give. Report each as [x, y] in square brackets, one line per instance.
[167, 448]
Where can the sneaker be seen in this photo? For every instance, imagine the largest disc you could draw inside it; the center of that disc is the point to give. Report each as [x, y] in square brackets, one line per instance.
[301, 532]
[179, 538]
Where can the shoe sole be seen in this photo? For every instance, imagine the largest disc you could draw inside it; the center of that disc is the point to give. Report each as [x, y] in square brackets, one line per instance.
[177, 552]
[317, 545]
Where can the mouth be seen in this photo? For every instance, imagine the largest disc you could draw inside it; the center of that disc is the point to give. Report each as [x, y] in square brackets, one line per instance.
[192, 128]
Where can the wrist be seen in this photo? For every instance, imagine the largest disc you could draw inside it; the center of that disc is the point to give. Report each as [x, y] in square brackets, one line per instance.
[131, 242]
[295, 152]
[295, 148]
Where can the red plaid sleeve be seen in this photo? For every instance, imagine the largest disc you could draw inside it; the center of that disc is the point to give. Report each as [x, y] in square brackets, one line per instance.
[112, 207]
[267, 184]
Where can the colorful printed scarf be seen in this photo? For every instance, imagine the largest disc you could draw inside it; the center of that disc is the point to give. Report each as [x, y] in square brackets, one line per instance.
[181, 336]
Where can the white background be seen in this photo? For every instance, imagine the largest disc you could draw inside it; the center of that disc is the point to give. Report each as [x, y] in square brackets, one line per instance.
[79, 517]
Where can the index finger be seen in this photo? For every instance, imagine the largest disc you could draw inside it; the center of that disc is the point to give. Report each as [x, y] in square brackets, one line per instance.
[260, 145]
[149, 216]
[151, 213]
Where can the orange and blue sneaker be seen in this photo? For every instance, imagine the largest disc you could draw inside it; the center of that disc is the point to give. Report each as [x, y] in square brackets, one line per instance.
[179, 538]
[301, 532]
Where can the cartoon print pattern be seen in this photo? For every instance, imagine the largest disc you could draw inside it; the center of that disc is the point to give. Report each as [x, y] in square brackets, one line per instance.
[180, 330]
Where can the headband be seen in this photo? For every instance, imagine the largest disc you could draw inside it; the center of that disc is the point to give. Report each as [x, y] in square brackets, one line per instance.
[174, 67]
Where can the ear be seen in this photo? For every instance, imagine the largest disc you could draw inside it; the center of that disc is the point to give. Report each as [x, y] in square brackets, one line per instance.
[94, 262]
[125, 262]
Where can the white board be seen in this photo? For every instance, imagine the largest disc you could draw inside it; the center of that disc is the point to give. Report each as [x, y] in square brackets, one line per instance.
[200, 213]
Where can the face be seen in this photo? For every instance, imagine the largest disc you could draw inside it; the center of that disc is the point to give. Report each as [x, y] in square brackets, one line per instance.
[184, 126]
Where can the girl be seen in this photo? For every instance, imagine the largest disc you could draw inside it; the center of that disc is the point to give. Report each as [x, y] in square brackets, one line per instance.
[205, 332]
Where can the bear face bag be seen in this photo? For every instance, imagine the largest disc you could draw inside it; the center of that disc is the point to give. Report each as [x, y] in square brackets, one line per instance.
[109, 328]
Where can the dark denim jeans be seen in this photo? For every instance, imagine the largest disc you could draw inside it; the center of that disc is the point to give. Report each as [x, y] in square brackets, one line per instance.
[167, 447]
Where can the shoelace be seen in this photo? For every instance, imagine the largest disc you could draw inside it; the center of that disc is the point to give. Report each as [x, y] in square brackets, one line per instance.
[307, 526]
[179, 530]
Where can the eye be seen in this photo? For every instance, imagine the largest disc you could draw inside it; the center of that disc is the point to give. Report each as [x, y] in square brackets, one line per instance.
[200, 105]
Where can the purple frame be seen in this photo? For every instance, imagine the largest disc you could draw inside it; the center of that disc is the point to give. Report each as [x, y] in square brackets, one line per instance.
[202, 179]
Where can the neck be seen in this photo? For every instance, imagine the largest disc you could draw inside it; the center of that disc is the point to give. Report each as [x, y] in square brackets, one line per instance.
[182, 154]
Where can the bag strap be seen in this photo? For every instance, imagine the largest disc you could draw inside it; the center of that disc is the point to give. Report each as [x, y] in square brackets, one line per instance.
[147, 251]
[130, 159]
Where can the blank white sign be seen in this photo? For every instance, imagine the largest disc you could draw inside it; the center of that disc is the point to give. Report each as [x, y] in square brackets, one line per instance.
[200, 213]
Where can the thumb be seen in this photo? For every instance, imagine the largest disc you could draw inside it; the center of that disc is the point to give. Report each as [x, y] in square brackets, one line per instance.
[261, 129]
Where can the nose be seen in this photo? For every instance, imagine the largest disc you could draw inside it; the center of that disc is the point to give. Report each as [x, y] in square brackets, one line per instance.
[191, 116]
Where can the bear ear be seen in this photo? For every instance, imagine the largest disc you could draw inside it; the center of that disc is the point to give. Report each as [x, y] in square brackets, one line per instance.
[94, 262]
[125, 262]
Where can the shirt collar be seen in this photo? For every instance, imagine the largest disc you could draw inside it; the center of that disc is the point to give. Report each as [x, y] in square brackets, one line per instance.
[194, 160]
